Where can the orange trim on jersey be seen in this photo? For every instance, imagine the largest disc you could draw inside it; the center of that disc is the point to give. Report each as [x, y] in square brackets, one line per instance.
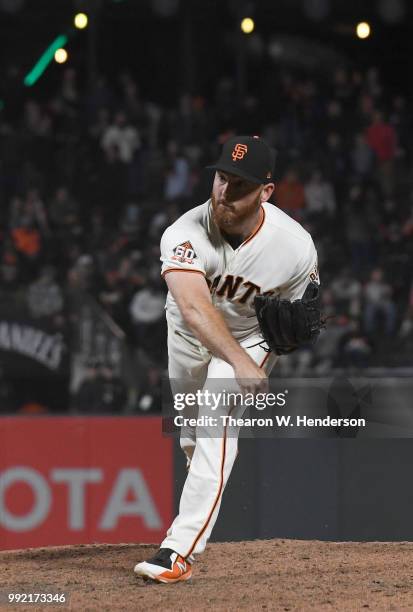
[264, 360]
[257, 229]
[182, 270]
[220, 488]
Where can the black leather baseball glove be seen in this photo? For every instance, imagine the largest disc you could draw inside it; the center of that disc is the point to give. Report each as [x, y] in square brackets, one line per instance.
[288, 325]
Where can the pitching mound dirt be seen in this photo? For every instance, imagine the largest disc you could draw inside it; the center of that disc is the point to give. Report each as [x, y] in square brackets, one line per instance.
[258, 575]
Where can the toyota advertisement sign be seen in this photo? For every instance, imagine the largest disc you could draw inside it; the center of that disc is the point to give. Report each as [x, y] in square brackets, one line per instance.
[71, 480]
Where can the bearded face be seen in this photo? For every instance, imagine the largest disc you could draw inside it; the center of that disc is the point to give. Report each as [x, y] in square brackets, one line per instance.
[233, 200]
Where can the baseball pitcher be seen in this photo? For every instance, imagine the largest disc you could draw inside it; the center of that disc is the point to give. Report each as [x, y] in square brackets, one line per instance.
[243, 289]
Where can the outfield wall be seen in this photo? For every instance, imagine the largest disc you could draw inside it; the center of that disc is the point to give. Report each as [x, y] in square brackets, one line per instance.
[72, 480]
[351, 490]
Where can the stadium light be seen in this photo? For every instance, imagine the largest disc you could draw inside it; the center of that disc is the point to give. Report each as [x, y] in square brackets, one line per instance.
[363, 29]
[60, 55]
[81, 20]
[247, 25]
[44, 60]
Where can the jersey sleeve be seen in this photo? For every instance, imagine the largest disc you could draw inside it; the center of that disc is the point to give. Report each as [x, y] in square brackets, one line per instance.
[182, 250]
[306, 271]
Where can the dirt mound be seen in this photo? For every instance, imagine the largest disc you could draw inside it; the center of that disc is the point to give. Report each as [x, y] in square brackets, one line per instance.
[257, 575]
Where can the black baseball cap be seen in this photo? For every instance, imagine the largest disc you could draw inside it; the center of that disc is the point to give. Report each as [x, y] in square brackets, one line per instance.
[249, 157]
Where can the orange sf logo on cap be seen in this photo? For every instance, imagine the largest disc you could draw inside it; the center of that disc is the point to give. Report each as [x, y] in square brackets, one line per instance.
[239, 151]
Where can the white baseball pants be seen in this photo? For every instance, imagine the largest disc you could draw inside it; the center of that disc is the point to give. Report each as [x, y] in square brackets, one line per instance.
[214, 448]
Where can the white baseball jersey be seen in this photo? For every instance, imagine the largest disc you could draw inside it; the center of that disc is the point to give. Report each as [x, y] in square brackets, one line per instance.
[278, 258]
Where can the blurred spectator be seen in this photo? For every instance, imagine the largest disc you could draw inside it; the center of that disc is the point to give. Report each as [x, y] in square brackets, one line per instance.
[328, 306]
[406, 327]
[407, 228]
[400, 119]
[16, 213]
[319, 195]
[289, 194]
[112, 297]
[28, 212]
[357, 230]
[64, 209]
[44, 295]
[334, 118]
[356, 348]
[100, 392]
[122, 135]
[35, 208]
[177, 174]
[327, 349]
[9, 269]
[147, 314]
[36, 122]
[82, 276]
[298, 363]
[131, 218]
[150, 391]
[334, 160]
[343, 87]
[69, 91]
[346, 290]
[100, 125]
[162, 219]
[381, 137]
[26, 218]
[131, 102]
[99, 96]
[372, 82]
[362, 157]
[27, 241]
[378, 303]
[112, 189]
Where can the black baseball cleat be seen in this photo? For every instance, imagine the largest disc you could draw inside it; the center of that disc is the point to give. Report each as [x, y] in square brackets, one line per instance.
[165, 566]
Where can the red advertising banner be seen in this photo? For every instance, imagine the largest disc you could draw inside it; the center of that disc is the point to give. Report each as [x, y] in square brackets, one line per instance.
[75, 480]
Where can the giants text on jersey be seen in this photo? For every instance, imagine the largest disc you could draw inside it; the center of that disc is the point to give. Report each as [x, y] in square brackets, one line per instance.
[278, 258]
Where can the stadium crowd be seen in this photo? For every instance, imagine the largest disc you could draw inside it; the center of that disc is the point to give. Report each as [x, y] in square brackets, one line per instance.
[89, 179]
